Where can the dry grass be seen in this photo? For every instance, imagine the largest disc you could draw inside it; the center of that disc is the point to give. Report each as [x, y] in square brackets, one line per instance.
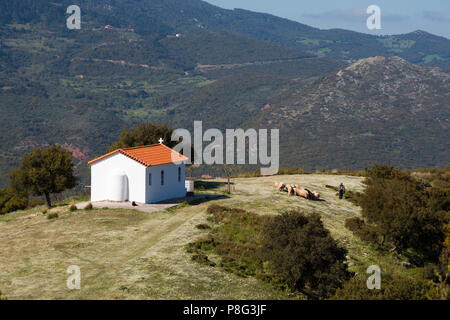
[126, 254]
[123, 254]
[258, 195]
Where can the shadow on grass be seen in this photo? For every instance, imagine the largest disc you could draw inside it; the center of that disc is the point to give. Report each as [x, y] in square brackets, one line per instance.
[208, 185]
[199, 199]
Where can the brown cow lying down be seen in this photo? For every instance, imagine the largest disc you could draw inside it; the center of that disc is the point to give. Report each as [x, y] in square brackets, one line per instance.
[302, 193]
[291, 189]
[313, 194]
[280, 186]
[307, 194]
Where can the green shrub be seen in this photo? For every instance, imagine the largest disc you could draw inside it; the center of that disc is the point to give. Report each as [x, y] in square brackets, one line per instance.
[353, 197]
[16, 203]
[354, 224]
[73, 207]
[219, 213]
[391, 289]
[203, 259]
[362, 230]
[89, 206]
[405, 214]
[11, 201]
[143, 134]
[235, 238]
[302, 252]
[52, 216]
[200, 245]
[203, 226]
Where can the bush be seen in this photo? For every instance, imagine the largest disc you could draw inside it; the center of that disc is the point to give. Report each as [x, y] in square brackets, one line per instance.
[395, 289]
[11, 201]
[73, 207]
[360, 229]
[15, 203]
[353, 197]
[219, 213]
[302, 253]
[203, 226]
[52, 216]
[143, 134]
[235, 239]
[354, 224]
[404, 213]
[201, 245]
[203, 259]
[89, 206]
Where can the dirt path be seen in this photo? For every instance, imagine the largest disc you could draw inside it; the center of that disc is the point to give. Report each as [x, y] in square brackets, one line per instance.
[210, 67]
[152, 233]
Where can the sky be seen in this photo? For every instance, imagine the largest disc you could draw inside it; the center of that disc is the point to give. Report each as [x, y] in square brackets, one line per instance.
[397, 16]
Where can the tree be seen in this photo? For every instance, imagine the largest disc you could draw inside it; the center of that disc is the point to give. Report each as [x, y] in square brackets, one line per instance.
[43, 172]
[302, 252]
[403, 212]
[229, 171]
[144, 134]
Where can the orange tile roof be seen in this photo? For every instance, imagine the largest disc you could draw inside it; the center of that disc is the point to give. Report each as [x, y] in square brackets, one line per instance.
[152, 155]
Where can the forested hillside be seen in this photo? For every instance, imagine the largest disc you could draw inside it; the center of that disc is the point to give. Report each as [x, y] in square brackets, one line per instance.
[80, 88]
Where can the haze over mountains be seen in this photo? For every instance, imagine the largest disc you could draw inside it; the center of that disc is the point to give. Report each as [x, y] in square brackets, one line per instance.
[80, 88]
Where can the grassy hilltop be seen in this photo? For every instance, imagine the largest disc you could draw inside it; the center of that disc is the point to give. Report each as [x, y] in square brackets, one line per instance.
[126, 254]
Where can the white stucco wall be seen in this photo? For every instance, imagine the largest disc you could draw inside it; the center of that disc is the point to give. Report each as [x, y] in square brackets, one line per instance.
[104, 171]
[171, 189]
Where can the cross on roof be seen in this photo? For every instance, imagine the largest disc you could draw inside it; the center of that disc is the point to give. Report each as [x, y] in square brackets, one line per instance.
[161, 140]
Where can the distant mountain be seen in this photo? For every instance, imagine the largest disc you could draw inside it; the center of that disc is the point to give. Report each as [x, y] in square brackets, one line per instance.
[380, 109]
[199, 17]
[176, 61]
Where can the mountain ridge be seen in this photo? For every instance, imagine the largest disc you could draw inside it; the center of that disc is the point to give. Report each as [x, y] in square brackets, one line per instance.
[383, 107]
[81, 88]
[196, 17]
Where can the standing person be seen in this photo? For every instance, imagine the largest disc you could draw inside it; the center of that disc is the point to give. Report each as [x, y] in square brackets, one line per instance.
[341, 191]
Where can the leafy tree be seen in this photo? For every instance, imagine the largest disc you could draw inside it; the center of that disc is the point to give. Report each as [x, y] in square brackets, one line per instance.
[401, 210]
[302, 252]
[11, 201]
[144, 134]
[43, 172]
